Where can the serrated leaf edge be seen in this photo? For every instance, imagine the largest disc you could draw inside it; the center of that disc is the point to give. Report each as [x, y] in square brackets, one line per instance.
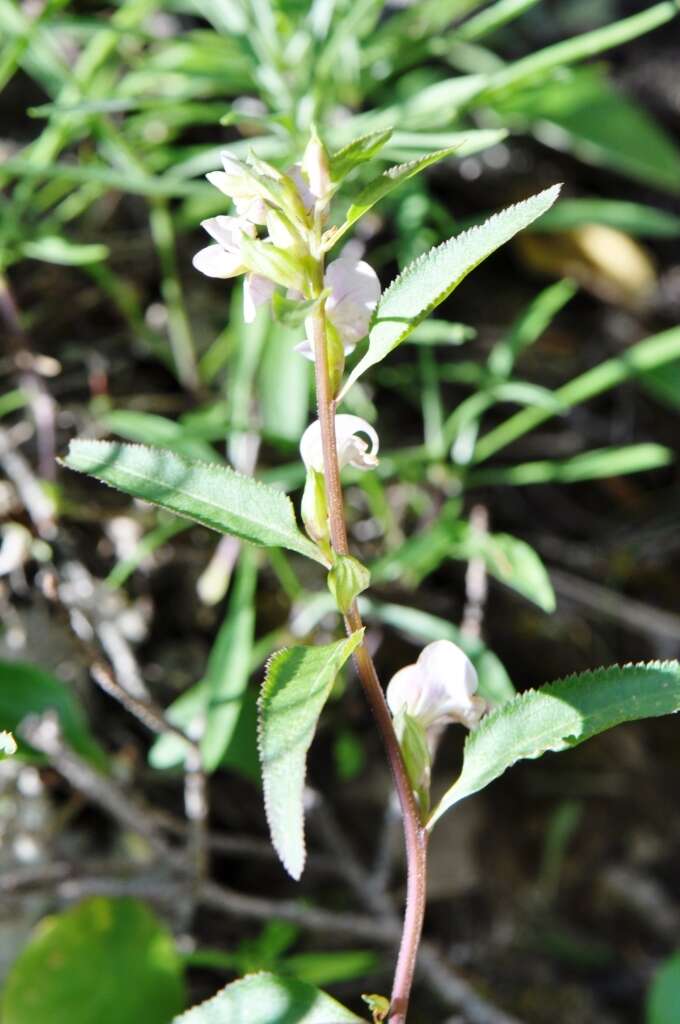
[190, 464]
[508, 706]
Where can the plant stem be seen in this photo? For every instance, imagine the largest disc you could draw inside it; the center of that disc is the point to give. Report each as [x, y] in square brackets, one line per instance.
[415, 835]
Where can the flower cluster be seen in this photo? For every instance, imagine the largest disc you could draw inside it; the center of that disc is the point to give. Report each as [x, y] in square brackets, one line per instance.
[291, 207]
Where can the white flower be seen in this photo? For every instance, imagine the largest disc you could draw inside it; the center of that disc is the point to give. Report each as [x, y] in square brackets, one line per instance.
[439, 688]
[256, 291]
[352, 450]
[236, 182]
[355, 290]
[224, 259]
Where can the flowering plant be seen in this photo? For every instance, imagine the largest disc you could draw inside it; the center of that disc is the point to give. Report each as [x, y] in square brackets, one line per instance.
[279, 236]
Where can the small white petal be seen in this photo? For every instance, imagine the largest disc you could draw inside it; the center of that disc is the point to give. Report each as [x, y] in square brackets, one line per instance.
[404, 690]
[251, 208]
[256, 291]
[214, 261]
[279, 232]
[304, 191]
[440, 688]
[355, 290]
[220, 180]
[353, 450]
[228, 231]
[445, 660]
[305, 349]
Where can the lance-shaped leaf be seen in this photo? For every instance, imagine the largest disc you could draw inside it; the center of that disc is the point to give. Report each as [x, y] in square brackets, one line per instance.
[357, 152]
[264, 998]
[296, 687]
[215, 496]
[559, 716]
[430, 279]
[390, 179]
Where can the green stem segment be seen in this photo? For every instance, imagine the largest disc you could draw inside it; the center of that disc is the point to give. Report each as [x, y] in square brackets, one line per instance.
[415, 835]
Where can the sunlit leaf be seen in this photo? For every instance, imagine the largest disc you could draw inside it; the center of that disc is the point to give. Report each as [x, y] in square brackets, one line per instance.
[265, 998]
[426, 282]
[105, 960]
[296, 687]
[215, 496]
[560, 716]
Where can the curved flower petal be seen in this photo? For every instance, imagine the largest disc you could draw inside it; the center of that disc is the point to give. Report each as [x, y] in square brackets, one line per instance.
[256, 291]
[405, 690]
[214, 261]
[355, 290]
[352, 450]
[228, 231]
[440, 688]
[306, 195]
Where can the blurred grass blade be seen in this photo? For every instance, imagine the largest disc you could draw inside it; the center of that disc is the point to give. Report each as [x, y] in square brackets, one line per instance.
[531, 324]
[229, 664]
[578, 48]
[646, 355]
[594, 465]
[492, 18]
[633, 218]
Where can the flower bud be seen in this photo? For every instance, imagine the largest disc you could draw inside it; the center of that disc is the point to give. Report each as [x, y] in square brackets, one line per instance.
[316, 168]
[439, 688]
[346, 580]
[314, 507]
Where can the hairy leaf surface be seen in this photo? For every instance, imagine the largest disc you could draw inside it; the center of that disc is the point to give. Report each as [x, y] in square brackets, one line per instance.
[559, 716]
[426, 282]
[296, 687]
[215, 496]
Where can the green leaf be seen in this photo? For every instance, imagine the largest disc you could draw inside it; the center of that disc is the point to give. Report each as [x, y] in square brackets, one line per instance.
[215, 496]
[423, 627]
[54, 249]
[159, 431]
[560, 716]
[633, 218]
[229, 665]
[541, 63]
[426, 282]
[663, 998]
[594, 465]
[103, 960]
[297, 684]
[582, 113]
[357, 152]
[283, 386]
[664, 384]
[265, 999]
[515, 563]
[645, 356]
[27, 689]
[382, 186]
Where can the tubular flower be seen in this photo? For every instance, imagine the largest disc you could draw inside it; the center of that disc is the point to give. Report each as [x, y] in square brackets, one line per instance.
[223, 259]
[354, 292]
[439, 688]
[352, 449]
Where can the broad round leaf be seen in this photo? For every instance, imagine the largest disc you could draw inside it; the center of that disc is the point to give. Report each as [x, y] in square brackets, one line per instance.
[265, 999]
[102, 962]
